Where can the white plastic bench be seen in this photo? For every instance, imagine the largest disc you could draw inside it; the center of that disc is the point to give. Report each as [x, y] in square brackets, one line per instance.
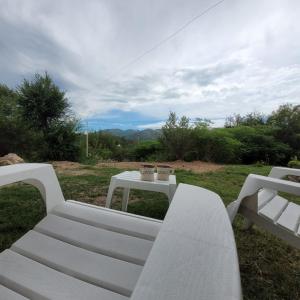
[80, 251]
[260, 204]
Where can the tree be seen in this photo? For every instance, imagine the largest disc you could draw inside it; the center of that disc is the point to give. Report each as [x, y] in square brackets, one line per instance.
[176, 136]
[286, 123]
[233, 121]
[12, 131]
[8, 104]
[202, 123]
[42, 103]
[44, 107]
[252, 119]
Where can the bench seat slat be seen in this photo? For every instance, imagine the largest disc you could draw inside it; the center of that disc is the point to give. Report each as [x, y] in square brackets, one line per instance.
[104, 271]
[37, 281]
[290, 217]
[145, 228]
[7, 294]
[264, 197]
[273, 209]
[99, 240]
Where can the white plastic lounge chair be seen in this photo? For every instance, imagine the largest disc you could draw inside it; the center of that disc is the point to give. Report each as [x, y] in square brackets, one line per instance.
[80, 251]
[259, 203]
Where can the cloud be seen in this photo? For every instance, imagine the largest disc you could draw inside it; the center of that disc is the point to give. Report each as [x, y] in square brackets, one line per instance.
[209, 74]
[242, 56]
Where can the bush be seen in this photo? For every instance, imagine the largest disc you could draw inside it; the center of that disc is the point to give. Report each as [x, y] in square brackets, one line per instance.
[176, 136]
[217, 145]
[105, 154]
[62, 141]
[190, 156]
[259, 144]
[294, 164]
[146, 149]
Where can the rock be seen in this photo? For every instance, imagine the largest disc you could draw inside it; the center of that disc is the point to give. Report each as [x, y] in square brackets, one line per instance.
[10, 159]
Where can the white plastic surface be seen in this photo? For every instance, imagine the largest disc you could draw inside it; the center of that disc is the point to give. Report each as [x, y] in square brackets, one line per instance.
[131, 180]
[42, 176]
[194, 255]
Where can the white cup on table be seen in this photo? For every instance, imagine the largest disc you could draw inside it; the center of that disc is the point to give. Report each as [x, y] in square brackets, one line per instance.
[163, 172]
[147, 172]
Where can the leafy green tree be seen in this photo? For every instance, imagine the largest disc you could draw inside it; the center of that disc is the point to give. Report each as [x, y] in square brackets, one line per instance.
[216, 145]
[286, 123]
[233, 121]
[8, 104]
[147, 150]
[15, 136]
[42, 102]
[45, 109]
[251, 119]
[254, 119]
[259, 144]
[63, 140]
[202, 123]
[176, 136]
[104, 145]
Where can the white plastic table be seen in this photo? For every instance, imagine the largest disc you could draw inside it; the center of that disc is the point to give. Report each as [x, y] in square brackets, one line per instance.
[131, 180]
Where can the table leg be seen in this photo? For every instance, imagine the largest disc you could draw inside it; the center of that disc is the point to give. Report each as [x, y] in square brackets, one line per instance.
[110, 193]
[126, 192]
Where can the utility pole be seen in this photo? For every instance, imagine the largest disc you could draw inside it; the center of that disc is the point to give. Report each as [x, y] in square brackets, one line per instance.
[87, 139]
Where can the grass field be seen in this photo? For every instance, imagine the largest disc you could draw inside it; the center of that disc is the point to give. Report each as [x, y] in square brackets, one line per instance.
[269, 268]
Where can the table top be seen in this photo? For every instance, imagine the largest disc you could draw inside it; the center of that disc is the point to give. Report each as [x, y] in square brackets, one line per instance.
[136, 177]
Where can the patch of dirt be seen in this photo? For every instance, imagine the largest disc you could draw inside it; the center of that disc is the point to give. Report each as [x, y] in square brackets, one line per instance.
[70, 168]
[195, 166]
[76, 169]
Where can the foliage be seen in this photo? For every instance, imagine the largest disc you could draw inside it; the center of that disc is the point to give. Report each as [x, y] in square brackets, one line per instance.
[135, 135]
[216, 145]
[147, 150]
[35, 121]
[62, 141]
[294, 164]
[251, 119]
[176, 136]
[8, 104]
[42, 103]
[15, 135]
[259, 144]
[247, 139]
[286, 124]
[104, 145]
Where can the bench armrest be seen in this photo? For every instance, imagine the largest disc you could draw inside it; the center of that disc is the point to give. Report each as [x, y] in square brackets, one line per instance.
[254, 183]
[194, 254]
[280, 172]
[257, 182]
[42, 176]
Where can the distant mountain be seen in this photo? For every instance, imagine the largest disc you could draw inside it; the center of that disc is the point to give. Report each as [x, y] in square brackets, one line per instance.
[135, 135]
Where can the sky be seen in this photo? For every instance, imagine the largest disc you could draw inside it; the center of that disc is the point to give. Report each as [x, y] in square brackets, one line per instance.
[241, 56]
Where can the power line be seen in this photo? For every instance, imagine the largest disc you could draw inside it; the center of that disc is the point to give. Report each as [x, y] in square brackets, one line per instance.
[169, 37]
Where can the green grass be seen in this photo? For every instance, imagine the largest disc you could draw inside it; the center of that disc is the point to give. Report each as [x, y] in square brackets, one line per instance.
[270, 269]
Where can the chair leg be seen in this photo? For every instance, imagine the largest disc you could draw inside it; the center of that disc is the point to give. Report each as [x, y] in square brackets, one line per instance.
[247, 224]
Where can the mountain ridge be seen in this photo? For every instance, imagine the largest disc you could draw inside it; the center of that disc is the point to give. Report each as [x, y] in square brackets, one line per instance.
[134, 135]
